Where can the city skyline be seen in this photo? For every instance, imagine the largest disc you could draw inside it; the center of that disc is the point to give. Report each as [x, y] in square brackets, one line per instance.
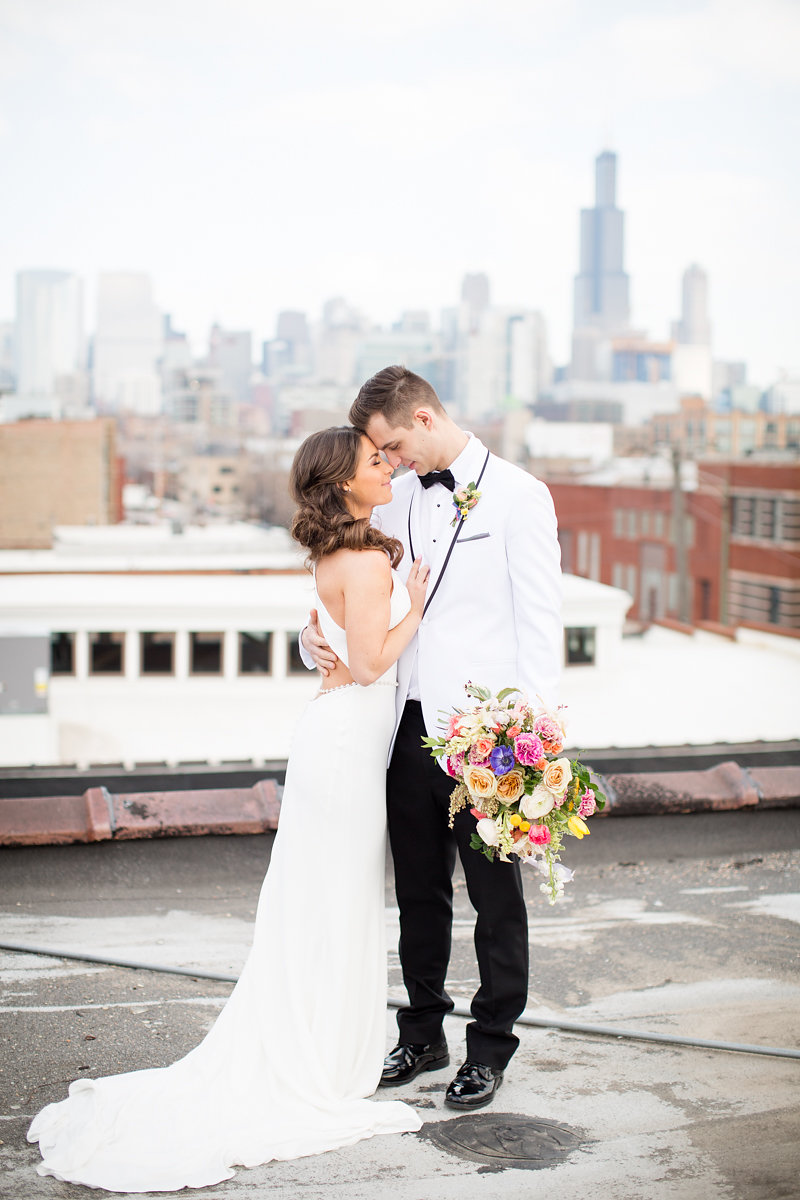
[254, 162]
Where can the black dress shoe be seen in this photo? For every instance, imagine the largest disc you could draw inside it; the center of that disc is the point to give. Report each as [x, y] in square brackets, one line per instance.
[473, 1086]
[408, 1060]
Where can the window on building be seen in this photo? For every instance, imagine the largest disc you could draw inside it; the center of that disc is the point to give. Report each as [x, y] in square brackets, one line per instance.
[157, 653]
[618, 575]
[567, 539]
[295, 664]
[62, 653]
[742, 516]
[580, 645]
[658, 524]
[583, 552]
[630, 582]
[106, 653]
[631, 520]
[594, 556]
[205, 653]
[255, 653]
[774, 617]
[216, 488]
[765, 518]
[226, 470]
[705, 599]
[619, 522]
[645, 519]
[790, 520]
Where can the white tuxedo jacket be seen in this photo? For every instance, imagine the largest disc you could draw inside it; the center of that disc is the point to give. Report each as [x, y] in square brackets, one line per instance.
[496, 616]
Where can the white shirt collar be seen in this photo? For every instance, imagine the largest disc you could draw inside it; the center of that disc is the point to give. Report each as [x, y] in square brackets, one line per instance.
[467, 466]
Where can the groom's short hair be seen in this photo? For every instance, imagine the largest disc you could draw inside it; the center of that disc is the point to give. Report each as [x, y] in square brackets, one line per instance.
[395, 392]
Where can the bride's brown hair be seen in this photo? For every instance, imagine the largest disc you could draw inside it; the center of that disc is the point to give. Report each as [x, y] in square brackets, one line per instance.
[323, 522]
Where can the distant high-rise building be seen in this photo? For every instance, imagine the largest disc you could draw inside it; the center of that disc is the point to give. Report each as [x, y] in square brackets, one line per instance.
[474, 300]
[128, 344]
[231, 353]
[50, 349]
[7, 356]
[692, 364]
[601, 285]
[694, 327]
[338, 340]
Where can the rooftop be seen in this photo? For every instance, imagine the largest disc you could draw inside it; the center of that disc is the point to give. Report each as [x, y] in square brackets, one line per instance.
[165, 546]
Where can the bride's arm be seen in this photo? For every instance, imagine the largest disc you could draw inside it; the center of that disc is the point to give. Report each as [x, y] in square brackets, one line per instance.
[372, 646]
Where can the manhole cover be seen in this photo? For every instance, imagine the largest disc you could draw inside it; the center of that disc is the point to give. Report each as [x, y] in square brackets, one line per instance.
[504, 1139]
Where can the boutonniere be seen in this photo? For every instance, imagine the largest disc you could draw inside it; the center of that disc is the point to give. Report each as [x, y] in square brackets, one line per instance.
[465, 498]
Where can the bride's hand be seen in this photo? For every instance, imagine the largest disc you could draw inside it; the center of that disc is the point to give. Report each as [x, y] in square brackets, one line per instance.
[417, 584]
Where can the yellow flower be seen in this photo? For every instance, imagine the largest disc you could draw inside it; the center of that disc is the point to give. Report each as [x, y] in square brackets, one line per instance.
[578, 827]
[515, 819]
[524, 826]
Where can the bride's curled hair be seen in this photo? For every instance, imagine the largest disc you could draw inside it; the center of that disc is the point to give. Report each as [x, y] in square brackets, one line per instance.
[323, 522]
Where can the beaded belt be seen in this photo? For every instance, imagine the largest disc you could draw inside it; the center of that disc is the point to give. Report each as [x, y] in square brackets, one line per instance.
[340, 687]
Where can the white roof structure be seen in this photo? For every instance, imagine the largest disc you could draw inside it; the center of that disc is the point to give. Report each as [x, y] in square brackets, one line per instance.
[160, 547]
[674, 689]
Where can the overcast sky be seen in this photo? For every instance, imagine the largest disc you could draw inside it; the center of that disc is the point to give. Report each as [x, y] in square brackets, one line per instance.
[253, 156]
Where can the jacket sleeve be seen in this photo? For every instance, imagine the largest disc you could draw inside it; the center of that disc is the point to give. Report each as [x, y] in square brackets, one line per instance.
[534, 567]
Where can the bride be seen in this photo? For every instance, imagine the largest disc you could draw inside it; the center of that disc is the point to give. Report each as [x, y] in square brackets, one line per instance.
[285, 1069]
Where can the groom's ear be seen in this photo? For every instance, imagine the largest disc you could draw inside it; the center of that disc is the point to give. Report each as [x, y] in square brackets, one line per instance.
[424, 417]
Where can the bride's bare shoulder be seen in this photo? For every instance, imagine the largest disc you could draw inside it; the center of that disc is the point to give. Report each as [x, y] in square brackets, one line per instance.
[360, 567]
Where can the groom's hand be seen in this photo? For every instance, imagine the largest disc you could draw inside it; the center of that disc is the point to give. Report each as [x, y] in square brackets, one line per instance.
[311, 637]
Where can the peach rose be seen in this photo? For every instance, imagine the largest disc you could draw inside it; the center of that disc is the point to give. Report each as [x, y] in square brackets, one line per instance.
[510, 786]
[484, 745]
[481, 782]
[557, 775]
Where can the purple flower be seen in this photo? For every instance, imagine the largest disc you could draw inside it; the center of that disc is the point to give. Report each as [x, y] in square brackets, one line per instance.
[502, 759]
[528, 749]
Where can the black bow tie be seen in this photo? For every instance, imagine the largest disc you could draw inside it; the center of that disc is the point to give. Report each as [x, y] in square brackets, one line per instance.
[444, 477]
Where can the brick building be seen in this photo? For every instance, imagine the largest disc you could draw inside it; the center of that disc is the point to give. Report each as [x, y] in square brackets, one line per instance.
[742, 536]
[57, 473]
[701, 432]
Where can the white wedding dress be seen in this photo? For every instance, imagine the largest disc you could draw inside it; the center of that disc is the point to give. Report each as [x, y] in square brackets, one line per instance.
[285, 1070]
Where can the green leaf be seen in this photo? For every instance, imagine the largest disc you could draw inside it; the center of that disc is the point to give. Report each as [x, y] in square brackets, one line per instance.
[507, 692]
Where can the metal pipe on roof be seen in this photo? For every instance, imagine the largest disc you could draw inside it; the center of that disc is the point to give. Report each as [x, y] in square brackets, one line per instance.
[460, 1008]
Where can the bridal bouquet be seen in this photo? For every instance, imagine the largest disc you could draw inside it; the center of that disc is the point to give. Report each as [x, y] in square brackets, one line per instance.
[525, 797]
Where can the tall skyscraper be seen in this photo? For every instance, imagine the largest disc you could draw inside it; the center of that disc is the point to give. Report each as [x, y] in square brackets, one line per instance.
[691, 359]
[474, 300]
[602, 305]
[50, 351]
[231, 353]
[694, 327]
[128, 344]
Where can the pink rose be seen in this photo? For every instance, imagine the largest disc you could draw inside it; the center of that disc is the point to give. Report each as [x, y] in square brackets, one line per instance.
[551, 734]
[477, 814]
[539, 835]
[454, 725]
[528, 749]
[588, 804]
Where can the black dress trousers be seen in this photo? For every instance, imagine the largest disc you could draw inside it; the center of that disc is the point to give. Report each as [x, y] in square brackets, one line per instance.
[424, 853]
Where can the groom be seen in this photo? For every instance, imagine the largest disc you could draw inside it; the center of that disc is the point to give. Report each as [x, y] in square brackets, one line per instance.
[493, 616]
